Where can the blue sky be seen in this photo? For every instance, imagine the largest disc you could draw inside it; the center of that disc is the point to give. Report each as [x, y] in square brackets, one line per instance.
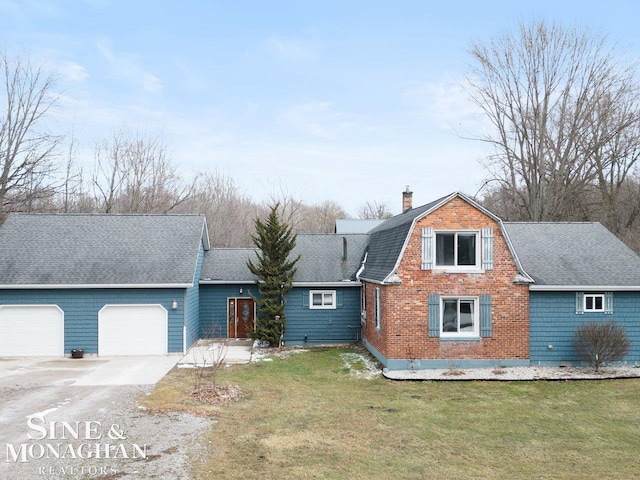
[347, 101]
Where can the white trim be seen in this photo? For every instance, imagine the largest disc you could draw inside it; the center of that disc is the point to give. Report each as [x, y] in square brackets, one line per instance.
[476, 318]
[476, 268]
[584, 288]
[320, 285]
[92, 286]
[593, 296]
[323, 306]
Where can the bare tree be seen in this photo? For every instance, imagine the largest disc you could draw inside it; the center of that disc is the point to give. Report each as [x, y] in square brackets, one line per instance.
[229, 213]
[564, 113]
[320, 218]
[133, 175]
[27, 149]
[374, 211]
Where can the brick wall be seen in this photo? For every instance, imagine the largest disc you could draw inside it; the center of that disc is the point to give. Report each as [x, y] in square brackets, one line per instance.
[405, 313]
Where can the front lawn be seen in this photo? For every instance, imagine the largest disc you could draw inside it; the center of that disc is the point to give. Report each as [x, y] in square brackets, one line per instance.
[315, 415]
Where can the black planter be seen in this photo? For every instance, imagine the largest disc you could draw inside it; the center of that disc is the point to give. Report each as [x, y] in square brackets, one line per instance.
[77, 353]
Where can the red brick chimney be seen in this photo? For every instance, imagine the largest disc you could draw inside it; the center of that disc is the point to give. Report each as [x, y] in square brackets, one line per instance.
[407, 200]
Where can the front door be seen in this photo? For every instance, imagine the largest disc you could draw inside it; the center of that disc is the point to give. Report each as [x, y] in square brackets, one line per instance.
[241, 317]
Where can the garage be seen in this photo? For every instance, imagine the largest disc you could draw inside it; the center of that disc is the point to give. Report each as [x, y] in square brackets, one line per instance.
[132, 330]
[31, 331]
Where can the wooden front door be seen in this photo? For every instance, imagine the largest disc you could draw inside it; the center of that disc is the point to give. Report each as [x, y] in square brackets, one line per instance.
[241, 317]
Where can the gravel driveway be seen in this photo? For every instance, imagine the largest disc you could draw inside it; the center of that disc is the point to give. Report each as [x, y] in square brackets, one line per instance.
[88, 431]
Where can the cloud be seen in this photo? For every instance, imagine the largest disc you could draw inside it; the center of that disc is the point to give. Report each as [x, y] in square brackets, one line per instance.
[72, 72]
[289, 49]
[445, 102]
[126, 66]
[318, 119]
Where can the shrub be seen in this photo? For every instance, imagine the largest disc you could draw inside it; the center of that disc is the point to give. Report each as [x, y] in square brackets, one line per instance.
[598, 343]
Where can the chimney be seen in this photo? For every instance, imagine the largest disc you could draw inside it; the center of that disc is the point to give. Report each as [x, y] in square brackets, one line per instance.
[407, 200]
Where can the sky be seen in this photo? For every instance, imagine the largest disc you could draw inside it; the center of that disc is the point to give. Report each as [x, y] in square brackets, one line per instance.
[347, 101]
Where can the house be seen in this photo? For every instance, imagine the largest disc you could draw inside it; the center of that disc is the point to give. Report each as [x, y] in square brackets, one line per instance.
[322, 308]
[108, 284]
[581, 273]
[447, 283]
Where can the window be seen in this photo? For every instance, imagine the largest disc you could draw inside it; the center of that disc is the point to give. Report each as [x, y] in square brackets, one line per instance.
[594, 302]
[456, 249]
[377, 308]
[322, 299]
[459, 317]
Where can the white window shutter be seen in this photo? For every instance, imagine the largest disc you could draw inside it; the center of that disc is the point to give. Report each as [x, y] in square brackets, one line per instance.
[579, 303]
[608, 303]
[487, 248]
[427, 248]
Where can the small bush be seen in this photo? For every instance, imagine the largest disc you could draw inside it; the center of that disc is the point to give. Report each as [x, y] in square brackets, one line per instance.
[599, 343]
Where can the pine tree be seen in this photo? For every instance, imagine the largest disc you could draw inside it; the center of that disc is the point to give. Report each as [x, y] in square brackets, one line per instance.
[274, 242]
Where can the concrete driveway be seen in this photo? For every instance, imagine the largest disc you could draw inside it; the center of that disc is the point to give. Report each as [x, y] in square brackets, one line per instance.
[103, 391]
[47, 371]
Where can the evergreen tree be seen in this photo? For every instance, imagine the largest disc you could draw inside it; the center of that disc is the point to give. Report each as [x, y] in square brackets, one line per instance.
[274, 242]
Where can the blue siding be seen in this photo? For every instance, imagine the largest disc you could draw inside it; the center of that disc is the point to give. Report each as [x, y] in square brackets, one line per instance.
[192, 302]
[213, 306]
[323, 326]
[326, 326]
[81, 308]
[553, 322]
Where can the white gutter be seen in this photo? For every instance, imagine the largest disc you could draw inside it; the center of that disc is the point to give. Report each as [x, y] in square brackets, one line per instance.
[95, 286]
[584, 288]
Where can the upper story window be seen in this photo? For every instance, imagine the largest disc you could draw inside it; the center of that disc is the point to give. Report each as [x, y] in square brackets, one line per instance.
[322, 299]
[456, 249]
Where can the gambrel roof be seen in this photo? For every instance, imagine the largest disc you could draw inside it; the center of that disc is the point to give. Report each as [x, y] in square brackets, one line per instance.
[322, 260]
[387, 242]
[99, 250]
[574, 255]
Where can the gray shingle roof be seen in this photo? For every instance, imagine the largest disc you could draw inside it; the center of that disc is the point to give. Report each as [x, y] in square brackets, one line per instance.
[94, 249]
[386, 242]
[573, 254]
[320, 260]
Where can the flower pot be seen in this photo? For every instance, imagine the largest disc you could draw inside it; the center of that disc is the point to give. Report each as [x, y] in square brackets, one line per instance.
[77, 353]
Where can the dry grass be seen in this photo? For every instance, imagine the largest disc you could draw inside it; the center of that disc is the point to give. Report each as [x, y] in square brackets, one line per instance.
[307, 416]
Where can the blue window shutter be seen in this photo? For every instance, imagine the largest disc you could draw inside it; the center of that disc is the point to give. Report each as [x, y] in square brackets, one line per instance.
[485, 315]
[434, 315]
[305, 298]
[608, 303]
[427, 248]
[487, 248]
[579, 303]
[339, 298]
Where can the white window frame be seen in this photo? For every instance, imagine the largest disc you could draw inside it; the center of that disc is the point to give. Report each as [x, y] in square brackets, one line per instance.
[593, 297]
[455, 267]
[475, 333]
[328, 299]
[377, 308]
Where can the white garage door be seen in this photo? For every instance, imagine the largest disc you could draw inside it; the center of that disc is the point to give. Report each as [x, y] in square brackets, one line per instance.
[132, 330]
[31, 331]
